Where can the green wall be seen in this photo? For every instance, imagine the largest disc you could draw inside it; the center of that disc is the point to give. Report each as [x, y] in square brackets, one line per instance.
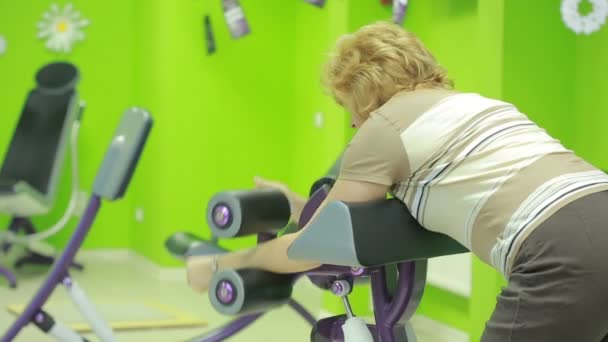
[539, 64]
[589, 119]
[246, 110]
[221, 119]
[315, 148]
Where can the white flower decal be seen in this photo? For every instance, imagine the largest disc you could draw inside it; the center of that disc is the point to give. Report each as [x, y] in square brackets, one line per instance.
[62, 28]
[586, 24]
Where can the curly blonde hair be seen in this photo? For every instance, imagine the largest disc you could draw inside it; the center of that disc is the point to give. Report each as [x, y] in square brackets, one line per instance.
[371, 65]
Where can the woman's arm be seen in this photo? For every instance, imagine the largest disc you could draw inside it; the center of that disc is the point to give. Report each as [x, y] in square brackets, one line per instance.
[272, 255]
[296, 202]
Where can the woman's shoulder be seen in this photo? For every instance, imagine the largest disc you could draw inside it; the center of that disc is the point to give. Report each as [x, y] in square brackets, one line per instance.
[407, 106]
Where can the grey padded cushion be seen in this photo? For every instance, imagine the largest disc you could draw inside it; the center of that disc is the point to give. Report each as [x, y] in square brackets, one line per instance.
[123, 154]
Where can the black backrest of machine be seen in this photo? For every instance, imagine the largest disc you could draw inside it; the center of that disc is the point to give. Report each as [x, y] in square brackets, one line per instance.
[36, 150]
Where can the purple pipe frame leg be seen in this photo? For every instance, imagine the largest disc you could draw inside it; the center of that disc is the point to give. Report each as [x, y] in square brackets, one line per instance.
[389, 310]
[58, 272]
[302, 312]
[230, 329]
[12, 280]
[233, 327]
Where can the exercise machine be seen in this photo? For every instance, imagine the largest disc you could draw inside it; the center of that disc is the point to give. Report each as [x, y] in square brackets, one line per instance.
[30, 173]
[111, 183]
[378, 242]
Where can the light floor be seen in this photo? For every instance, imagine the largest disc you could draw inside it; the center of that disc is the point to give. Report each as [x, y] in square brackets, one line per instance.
[114, 276]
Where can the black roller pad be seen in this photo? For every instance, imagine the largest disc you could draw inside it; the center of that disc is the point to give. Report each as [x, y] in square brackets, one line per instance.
[252, 212]
[265, 290]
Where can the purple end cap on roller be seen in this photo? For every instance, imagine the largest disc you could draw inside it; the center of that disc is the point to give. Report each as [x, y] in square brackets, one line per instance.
[337, 288]
[39, 318]
[225, 292]
[357, 271]
[67, 282]
[222, 216]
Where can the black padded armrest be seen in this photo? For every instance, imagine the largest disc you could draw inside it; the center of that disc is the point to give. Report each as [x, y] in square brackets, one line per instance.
[369, 234]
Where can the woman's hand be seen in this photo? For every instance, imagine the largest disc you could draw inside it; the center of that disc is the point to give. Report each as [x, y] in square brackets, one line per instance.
[296, 202]
[199, 270]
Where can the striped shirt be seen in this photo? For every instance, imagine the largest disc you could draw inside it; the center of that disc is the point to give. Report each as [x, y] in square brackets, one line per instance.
[473, 168]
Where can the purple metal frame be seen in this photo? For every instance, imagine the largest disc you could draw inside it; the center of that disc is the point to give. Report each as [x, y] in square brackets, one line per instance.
[231, 328]
[23, 223]
[302, 311]
[58, 272]
[10, 276]
[391, 311]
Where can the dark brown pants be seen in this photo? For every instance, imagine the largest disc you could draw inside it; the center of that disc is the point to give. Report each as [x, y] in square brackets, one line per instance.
[558, 290]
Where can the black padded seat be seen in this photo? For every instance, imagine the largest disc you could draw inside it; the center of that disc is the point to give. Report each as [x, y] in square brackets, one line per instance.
[369, 234]
[32, 166]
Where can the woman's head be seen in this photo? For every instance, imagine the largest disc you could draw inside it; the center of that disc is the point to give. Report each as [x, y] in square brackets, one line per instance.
[379, 60]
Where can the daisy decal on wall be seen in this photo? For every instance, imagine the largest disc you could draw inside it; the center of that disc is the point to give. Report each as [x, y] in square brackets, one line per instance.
[62, 28]
[584, 23]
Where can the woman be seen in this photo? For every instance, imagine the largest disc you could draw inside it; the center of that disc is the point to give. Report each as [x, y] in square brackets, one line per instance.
[470, 167]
